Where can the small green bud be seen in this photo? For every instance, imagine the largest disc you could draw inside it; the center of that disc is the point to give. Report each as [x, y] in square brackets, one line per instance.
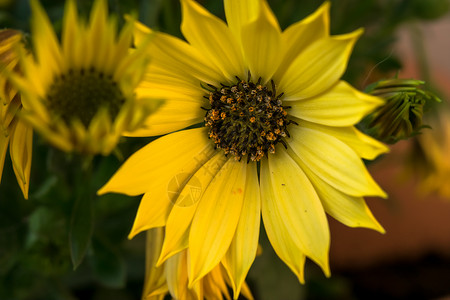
[401, 116]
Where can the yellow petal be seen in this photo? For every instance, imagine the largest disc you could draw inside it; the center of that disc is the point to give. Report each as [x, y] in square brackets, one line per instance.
[333, 161]
[349, 210]
[318, 67]
[54, 136]
[216, 219]
[180, 218]
[365, 146]
[174, 114]
[20, 149]
[239, 13]
[159, 82]
[153, 211]
[283, 242]
[261, 42]
[246, 291]
[116, 51]
[131, 60]
[177, 277]
[300, 35]
[98, 34]
[293, 214]
[177, 56]
[31, 87]
[242, 251]
[160, 161]
[342, 105]
[71, 34]
[215, 284]
[155, 282]
[45, 42]
[210, 34]
[4, 141]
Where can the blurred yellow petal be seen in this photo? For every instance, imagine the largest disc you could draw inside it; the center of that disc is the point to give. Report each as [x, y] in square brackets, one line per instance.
[98, 32]
[4, 141]
[154, 283]
[215, 284]
[177, 277]
[71, 32]
[21, 148]
[45, 41]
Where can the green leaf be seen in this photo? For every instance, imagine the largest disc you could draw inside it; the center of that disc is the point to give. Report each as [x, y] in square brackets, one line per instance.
[107, 264]
[81, 228]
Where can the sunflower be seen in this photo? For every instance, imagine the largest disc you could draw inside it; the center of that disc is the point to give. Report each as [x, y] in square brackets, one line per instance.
[276, 137]
[171, 277]
[14, 131]
[80, 95]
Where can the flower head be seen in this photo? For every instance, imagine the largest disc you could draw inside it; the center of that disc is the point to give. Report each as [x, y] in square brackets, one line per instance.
[13, 131]
[276, 138]
[80, 95]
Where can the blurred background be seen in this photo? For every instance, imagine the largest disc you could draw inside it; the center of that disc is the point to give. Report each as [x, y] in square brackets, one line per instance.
[410, 261]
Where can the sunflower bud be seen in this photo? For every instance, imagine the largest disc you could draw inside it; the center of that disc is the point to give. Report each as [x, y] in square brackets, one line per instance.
[401, 116]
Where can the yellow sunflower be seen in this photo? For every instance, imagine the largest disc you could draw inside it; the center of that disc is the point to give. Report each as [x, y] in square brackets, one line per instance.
[80, 95]
[14, 131]
[276, 138]
[172, 276]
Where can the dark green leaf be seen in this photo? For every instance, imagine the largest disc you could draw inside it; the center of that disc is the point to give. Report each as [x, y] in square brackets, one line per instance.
[81, 228]
[108, 265]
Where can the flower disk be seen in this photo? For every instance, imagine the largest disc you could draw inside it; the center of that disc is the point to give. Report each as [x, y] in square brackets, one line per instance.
[80, 94]
[246, 119]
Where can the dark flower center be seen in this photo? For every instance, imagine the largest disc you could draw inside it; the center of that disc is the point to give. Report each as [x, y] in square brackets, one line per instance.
[81, 93]
[246, 118]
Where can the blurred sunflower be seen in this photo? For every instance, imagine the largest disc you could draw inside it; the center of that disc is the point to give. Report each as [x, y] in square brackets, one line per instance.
[429, 158]
[14, 131]
[80, 95]
[278, 139]
[172, 276]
